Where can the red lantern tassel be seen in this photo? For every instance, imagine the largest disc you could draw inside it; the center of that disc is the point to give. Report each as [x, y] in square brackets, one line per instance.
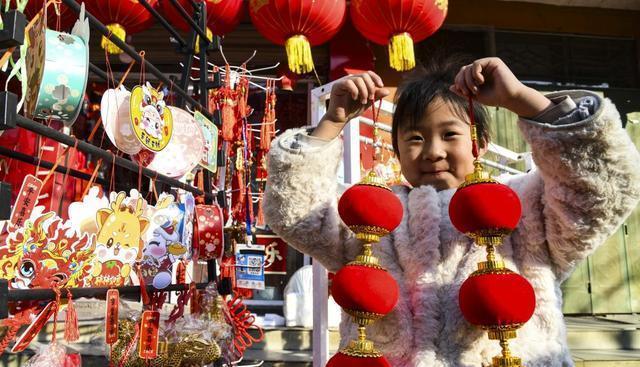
[71, 332]
[238, 197]
[260, 218]
[228, 120]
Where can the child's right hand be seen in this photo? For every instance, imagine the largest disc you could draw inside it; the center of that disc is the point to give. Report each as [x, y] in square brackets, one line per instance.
[349, 98]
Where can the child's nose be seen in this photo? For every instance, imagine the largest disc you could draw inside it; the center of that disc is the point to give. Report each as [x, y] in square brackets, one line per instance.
[433, 151]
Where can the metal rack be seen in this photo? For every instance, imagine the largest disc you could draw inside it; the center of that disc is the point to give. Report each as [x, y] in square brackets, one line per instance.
[10, 119]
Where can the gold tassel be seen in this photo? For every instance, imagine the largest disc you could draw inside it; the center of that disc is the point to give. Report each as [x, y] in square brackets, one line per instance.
[299, 54]
[118, 31]
[401, 57]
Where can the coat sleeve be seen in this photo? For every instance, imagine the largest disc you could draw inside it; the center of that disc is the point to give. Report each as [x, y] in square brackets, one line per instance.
[586, 181]
[300, 203]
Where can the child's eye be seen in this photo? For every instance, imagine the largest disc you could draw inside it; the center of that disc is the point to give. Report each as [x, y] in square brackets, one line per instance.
[450, 134]
[414, 138]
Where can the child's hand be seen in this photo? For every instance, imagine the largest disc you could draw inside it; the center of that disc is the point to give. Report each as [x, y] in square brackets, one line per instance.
[491, 82]
[349, 98]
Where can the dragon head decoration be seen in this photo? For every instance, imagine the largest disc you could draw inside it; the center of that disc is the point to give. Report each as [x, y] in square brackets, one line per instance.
[45, 253]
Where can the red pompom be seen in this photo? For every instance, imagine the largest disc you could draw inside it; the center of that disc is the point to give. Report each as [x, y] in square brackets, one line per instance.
[485, 206]
[367, 205]
[497, 299]
[343, 360]
[365, 289]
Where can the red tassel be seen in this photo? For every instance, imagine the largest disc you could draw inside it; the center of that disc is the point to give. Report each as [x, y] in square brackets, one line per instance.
[71, 331]
[228, 120]
[238, 197]
[260, 218]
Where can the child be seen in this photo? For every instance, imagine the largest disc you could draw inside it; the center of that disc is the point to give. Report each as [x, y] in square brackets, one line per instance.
[586, 182]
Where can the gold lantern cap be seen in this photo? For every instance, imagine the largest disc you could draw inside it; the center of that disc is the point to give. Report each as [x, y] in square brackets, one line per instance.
[478, 176]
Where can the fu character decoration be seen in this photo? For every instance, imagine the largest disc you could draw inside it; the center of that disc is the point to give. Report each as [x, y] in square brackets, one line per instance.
[494, 297]
[363, 288]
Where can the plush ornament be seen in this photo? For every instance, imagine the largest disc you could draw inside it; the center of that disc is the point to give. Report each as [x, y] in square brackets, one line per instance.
[363, 288]
[357, 288]
[361, 206]
[493, 297]
[340, 359]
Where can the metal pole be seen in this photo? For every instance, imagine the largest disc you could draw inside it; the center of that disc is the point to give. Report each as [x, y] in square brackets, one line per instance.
[107, 156]
[201, 31]
[163, 22]
[96, 24]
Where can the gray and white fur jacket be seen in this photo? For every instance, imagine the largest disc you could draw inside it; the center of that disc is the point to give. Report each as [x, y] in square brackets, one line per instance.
[586, 183]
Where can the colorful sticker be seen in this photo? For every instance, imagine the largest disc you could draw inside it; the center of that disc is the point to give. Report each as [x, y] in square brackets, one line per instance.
[163, 243]
[210, 133]
[121, 228]
[45, 252]
[150, 117]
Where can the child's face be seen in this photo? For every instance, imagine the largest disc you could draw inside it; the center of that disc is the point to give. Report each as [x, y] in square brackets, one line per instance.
[438, 151]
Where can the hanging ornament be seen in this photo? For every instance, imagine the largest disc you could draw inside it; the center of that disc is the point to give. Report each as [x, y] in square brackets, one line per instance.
[222, 16]
[363, 288]
[493, 297]
[59, 16]
[122, 17]
[298, 25]
[398, 24]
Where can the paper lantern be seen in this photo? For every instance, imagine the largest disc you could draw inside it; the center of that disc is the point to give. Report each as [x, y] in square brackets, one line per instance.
[222, 16]
[298, 25]
[398, 24]
[121, 17]
[65, 16]
[341, 359]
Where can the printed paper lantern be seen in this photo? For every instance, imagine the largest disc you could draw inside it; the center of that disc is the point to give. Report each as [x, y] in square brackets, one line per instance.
[298, 25]
[343, 360]
[398, 24]
[121, 17]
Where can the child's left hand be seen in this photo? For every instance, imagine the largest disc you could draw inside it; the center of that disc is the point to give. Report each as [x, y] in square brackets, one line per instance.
[491, 82]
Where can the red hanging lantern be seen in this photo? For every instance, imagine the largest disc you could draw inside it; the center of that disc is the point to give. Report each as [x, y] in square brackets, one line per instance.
[298, 25]
[121, 17]
[55, 13]
[398, 23]
[222, 16]
[363, 288]
[493, 297]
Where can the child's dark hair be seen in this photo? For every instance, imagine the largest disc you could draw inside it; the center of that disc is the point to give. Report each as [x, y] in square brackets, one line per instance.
[425, 84]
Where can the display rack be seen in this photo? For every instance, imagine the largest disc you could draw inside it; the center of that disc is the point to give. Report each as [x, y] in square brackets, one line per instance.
[9, 118]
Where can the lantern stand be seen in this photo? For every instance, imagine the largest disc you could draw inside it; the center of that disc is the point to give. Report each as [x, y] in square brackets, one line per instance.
[9, 118]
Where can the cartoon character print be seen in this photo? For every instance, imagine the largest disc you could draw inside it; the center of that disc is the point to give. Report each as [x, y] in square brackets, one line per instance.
[119, 241]
[163, 244]
[152, 108]
[44, 253]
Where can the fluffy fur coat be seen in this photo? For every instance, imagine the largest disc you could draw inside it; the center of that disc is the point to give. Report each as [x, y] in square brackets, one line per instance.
[586, 183]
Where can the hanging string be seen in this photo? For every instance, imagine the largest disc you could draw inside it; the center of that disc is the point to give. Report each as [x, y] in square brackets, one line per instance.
[66, 175]
[113, 173]
[56, 306]
[92, 179]
[142, 64]
[474, 133]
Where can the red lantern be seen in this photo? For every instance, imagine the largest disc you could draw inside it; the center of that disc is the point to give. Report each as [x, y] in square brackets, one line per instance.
[65, 16]
[222, 16]
[398, 23]
[342, 360]
[121, 17]
[364, 289]
[298, 24]
[497, 300]
[485, 210]
[361, 206]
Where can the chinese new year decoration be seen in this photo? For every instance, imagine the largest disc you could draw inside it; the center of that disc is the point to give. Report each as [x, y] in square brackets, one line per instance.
[494, 297]
[398, 24]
